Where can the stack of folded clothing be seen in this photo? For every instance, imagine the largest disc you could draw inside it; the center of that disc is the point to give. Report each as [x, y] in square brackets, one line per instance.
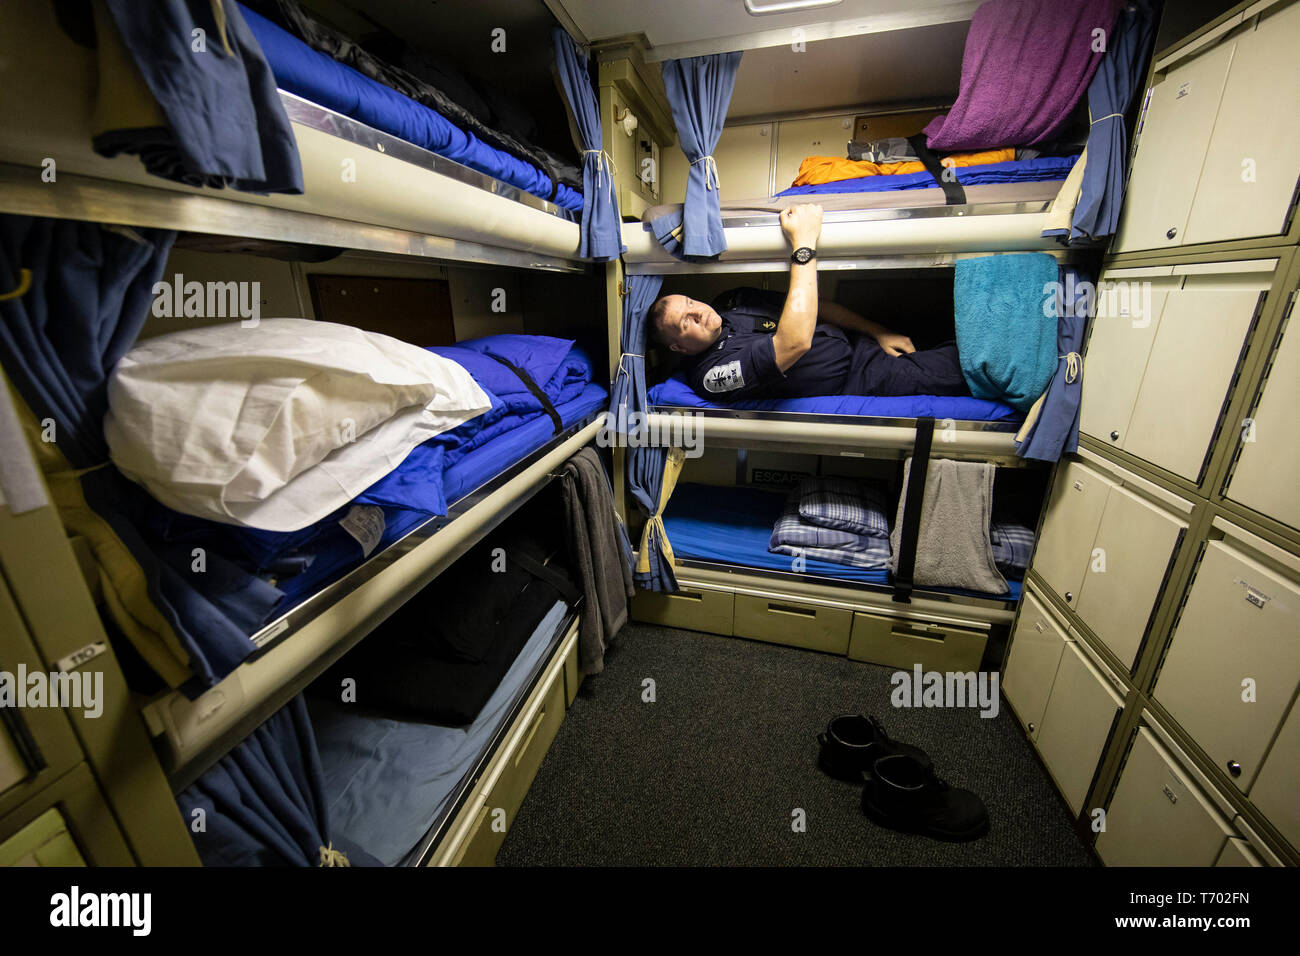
[835, 519]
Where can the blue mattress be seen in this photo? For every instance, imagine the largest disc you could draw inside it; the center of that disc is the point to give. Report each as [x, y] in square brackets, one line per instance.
[1042, 169]
[734, 526]
[387, 781]
[339, 554]
[314, 76]
[675, 391]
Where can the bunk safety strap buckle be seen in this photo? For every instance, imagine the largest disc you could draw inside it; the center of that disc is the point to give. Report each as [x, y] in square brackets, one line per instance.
[946, 177]
[912, 510]
[541, 396]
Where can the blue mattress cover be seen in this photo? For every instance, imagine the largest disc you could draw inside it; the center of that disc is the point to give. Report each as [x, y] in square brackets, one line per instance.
[675, 391]
[386, 780]
[734, 526]
[314, 76]
[1042, 169]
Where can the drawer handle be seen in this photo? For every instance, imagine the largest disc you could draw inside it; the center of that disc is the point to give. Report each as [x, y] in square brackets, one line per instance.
[925, 632]
[687, 595]
[532, 732]
[791, 609]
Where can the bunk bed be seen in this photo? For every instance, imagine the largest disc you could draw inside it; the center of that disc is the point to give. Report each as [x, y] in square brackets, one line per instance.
[413, 185]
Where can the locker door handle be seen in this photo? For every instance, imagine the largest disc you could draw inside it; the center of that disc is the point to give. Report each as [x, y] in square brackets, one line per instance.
[1234, 768]
[1114, 436]
[1171, 233]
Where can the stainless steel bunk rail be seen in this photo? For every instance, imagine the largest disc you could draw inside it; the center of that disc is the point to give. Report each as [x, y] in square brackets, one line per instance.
[843, 435]
[191, 735]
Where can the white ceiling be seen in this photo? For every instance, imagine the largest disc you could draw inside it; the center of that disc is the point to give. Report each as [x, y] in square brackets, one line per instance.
[680, 28]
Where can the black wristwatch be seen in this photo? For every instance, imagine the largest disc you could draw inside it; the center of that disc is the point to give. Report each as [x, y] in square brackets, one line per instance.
[803, 255]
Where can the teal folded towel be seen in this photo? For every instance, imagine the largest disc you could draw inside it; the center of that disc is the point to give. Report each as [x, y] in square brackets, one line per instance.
[1006, 325]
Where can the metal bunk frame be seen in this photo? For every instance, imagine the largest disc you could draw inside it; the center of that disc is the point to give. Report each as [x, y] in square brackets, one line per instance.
[191, 735]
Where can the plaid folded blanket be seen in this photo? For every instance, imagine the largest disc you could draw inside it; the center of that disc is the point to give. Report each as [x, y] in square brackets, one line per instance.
[798, 538]
[1013, 544]
[857, 507]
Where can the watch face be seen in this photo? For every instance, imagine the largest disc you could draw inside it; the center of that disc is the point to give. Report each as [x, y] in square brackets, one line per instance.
[803, 255]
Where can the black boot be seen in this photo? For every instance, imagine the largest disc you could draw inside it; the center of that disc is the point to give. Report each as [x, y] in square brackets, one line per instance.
[852, 743]
[902, 794]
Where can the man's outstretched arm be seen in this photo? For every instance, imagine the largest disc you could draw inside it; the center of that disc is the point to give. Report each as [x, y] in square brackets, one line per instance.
[802, 225]
[891, 342]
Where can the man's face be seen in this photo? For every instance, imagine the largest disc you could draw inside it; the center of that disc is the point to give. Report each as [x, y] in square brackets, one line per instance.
[689, 326]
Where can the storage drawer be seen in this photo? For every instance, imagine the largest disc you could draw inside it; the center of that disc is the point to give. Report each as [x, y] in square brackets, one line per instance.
[1241, 622]
[1276, 792]
[1076, 724]
[696, 609]
[905, 642]
[481, 825]
[1271, 454]
[799, 625]
[1036, 647]
[1159, 816]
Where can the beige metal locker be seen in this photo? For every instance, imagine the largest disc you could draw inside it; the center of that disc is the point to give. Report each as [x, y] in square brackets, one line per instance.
[744, 158]
[1175, 133]
[1276, 792]
[1129, 306]
[1196, 350]
[1130, 555]
[1069, 527]
[1159, 816]
[1077, 723]
[1036, 647]
[1270, 454]
[1233, 663]
[797, 139]
[1250, 168]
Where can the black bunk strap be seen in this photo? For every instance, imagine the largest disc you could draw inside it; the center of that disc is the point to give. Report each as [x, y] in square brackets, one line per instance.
[556, 579]
[532, 387]
[953, 194]
[912, 510]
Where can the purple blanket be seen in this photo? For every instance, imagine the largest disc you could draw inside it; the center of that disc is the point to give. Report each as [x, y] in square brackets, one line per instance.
[1026, 64]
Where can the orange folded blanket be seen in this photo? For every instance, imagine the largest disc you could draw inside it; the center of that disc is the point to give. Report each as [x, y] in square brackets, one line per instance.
[828, 169]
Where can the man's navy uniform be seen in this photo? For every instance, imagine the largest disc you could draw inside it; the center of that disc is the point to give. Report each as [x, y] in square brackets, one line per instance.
[741, 364]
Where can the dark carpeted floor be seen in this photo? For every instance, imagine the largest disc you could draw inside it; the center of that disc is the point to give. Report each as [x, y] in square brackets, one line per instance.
[714, 770]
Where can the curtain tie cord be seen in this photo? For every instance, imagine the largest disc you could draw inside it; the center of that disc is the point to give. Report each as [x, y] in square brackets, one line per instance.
[628, 355]
[1072, 366]
[1106, 117]
[711, 180]
[24, 283]
[603, 159]
[332, 857]
[219, 14]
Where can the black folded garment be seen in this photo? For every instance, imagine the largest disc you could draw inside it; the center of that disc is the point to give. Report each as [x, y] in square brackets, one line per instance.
[441, 655]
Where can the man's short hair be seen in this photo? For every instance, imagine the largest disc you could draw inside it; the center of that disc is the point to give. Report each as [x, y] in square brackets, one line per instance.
[655, 323]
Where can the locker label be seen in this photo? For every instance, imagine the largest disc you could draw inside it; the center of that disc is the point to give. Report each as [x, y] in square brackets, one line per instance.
[1255, 597]
[1184, 89]
[80, 656]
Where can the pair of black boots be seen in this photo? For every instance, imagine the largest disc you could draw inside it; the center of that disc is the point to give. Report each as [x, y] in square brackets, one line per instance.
[900, 790]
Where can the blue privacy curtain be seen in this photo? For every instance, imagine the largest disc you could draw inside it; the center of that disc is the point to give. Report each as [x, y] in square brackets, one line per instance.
[73, 297]
[651, 475]
[1118, 76]
[602, 236]
[628, 394]
[699, 90]
[1052, 426]
[216, 119]
[263, 804]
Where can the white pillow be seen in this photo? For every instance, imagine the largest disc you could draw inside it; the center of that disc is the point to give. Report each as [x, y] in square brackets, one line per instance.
[277, 425]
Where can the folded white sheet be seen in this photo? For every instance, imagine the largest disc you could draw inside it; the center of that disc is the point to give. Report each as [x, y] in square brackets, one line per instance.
[277, 425]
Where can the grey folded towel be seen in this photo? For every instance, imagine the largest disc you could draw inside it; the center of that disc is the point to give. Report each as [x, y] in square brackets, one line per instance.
[953, 549]
[596, 544]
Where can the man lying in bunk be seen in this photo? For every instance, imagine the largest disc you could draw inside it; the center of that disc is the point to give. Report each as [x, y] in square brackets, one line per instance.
[753, 344]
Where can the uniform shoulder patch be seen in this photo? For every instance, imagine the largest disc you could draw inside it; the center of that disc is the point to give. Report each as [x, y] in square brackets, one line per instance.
[724, 378]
